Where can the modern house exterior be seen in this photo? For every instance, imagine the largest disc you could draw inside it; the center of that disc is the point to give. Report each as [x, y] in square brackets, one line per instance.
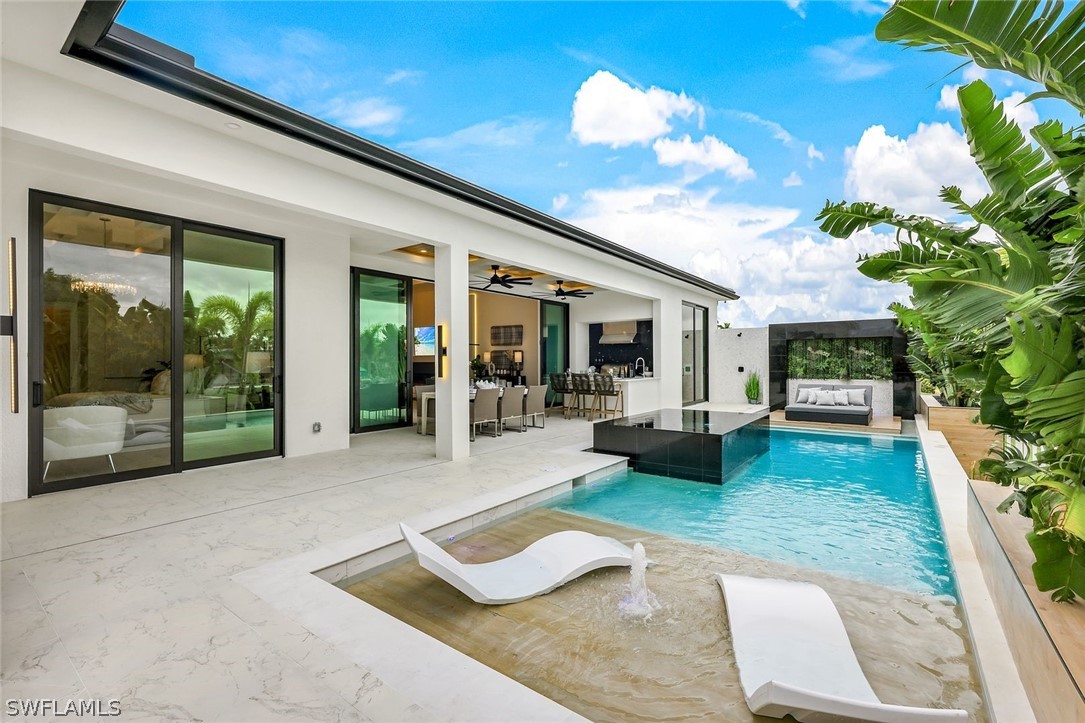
[207, 260]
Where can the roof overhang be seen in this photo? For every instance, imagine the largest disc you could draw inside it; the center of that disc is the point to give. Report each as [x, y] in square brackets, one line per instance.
[97, 39]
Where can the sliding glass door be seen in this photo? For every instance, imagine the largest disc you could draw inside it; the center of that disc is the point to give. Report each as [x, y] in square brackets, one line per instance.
[230, 366]
[383, 348]
[102, 395]
[155, 344]
[694, 354]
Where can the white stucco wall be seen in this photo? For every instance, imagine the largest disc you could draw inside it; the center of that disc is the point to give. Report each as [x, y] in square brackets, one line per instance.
[734, 348]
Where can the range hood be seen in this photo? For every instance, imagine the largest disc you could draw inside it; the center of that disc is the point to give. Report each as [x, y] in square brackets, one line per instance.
[619, 332]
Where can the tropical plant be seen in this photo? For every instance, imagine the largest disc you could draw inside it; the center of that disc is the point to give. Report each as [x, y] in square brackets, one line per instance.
[1009, 313]
[249, 328]
[862, 358]
[753, 387]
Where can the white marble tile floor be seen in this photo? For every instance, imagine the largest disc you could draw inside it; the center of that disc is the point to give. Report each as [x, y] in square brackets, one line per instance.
[124, 591]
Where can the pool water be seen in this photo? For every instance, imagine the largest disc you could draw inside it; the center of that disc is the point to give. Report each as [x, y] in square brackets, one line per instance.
[857, 506]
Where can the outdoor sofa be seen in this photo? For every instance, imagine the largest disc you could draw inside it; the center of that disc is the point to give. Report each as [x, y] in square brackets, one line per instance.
[815, 408]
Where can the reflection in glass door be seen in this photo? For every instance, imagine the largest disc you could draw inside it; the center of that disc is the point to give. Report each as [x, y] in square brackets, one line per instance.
[694, 354]
[102, 353]
[555, 341]
[382, 354]
[230, 364]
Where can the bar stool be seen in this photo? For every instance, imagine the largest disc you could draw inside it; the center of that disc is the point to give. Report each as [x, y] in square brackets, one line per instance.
[559, 385]
[582, 388]
[606, 388]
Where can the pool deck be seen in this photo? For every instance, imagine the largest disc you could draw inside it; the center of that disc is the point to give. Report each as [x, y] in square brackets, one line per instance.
[144, 591]
[127, 591]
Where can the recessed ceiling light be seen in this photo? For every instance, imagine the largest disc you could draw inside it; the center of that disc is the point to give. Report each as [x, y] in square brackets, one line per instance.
[233, 126]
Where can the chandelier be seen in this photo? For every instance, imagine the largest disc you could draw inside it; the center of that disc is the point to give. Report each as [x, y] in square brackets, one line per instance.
[100, 284]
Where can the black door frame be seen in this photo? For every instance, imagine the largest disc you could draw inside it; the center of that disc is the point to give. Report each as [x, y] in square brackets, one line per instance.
[700, 312]
[35, 374]
[543, 303]
[355, 352]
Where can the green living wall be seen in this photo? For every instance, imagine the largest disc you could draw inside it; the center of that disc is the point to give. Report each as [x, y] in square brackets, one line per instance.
[869, 358]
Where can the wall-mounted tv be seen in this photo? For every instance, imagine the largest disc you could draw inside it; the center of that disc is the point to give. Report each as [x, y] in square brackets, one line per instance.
[425, 340]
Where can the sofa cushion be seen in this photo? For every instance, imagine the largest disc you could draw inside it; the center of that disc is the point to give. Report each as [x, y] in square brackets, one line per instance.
[825, 398]
[856, 397]
[868, 391]
[849, 410]
[840, 397]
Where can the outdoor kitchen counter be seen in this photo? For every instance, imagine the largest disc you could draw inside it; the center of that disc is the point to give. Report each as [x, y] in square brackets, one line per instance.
[641, 394]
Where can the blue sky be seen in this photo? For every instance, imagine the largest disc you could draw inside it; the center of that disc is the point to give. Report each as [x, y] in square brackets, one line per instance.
[705, 134]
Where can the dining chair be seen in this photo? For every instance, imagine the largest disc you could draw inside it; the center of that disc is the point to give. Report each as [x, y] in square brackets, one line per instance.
[582, 390]
[512, 406]
[605, 389]
[535, 404]
[485, 409]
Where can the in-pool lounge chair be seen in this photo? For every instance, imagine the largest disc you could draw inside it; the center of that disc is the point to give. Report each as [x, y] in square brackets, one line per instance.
[544, 565]
[794, 657]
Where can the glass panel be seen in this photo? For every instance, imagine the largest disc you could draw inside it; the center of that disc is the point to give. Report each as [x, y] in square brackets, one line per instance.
[229, 354]
[555, 333]
[106, 343]
[382, 350]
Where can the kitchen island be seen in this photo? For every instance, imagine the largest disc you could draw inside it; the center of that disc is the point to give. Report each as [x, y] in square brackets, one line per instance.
[641, 394]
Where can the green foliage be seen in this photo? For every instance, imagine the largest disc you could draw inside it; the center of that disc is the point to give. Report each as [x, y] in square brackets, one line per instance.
[867, 358]
[1005, 319]
[753, 386]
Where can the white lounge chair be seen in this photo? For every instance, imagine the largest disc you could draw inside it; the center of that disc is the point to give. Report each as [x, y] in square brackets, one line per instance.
[794, 657]
[544, 565]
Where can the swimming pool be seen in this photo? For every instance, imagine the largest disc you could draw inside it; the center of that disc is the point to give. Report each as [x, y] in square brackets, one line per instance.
[858, 506]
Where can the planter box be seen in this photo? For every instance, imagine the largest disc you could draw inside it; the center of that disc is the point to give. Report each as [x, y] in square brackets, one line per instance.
[969, 440]
[1047, 638]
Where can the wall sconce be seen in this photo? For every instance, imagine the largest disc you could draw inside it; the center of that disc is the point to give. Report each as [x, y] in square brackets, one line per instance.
[518, 356]
[9, 327]
[486, 357]
[442, 351]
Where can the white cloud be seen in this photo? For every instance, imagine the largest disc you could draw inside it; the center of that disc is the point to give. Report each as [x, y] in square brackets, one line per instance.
[793, 180]
[403, 75]
[974, 72]
[609, 111]
[778, 131]
[559, 202]
[563, 164]
[1020, 112]
[371, 114]
[947, 98]
[869, 7]
[703, 157]
[843, 61]
[907, 173]
[799, 6]
[814, 154]
[781, 274]
[501, 133]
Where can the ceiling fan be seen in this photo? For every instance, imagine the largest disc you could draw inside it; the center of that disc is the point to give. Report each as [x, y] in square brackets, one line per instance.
[506, 280]
[562, 293]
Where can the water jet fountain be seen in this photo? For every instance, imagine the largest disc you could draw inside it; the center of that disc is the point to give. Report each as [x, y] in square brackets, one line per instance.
[639, 602]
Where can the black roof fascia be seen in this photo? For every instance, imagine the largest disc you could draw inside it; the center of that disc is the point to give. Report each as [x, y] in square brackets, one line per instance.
[148, 61]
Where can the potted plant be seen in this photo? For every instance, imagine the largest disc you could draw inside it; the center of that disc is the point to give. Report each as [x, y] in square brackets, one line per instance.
[753, 388]
[478, 367]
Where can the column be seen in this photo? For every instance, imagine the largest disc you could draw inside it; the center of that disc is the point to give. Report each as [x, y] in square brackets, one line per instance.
[667, 343]
[450, 297]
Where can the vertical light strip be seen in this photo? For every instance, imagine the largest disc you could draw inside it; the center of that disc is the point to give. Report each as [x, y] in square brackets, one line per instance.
[13, 346]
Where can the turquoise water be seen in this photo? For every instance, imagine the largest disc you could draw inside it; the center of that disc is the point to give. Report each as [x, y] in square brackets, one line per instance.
[856, 506]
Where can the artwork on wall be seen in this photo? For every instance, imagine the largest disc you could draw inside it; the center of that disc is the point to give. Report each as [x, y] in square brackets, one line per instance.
[511, 335]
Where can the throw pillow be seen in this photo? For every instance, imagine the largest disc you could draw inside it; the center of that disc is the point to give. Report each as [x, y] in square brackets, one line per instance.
[807, 396]
[840, 397]
[856, 397]
[825, 398]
